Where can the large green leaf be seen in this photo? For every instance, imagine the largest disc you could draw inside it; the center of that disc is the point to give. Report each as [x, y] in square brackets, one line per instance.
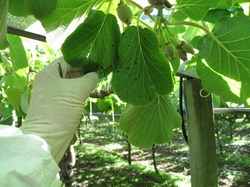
[144, 71]
[14, 97]
[93, 45]
[224, 59]
[226, 4]
[215, 14]
[194, 9]
[19, 61]
[6, 111]
[150, 124]
[66, 17]
[3, 22]
[38, 8]
[24, 103]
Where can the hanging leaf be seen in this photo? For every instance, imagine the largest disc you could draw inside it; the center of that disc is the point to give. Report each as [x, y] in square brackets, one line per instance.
[3, 22]
[150, 124]
[224, 59]
[144, 71]
[194, 9]
[19, 61]
[63, 21]
[14, 97]
[93, 45]
[38, 8]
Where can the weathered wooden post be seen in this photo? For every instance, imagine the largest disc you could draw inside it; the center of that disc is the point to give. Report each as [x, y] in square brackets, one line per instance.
[201, 136]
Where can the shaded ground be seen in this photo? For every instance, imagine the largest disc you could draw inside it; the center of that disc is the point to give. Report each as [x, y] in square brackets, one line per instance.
[102, 159]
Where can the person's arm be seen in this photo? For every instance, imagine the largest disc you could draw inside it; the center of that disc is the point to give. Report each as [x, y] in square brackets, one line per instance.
[57, 105]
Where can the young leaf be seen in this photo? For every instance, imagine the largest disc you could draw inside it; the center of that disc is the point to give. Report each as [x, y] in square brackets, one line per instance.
[3, 22]
[66, 17]
[194, 9]
[144, 71]
[38, 8]
[95, 41]
[224, 60]
[150, 124]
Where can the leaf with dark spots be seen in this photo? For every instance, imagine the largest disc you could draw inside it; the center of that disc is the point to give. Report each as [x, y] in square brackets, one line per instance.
[149, 73]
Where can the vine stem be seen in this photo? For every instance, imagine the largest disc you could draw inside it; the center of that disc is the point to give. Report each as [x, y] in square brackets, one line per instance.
[140, 7]
[180, 22]
[109, 6]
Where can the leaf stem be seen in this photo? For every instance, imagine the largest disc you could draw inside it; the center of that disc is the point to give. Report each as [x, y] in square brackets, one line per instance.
[110, 2]
[140, 7]
[140, 13]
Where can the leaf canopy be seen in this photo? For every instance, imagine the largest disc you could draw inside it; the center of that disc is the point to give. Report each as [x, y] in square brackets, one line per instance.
[3, 22]
[194, 9]
[143, 71]
[150, 124]
[38, 8]
[224, 60]
[66, 17]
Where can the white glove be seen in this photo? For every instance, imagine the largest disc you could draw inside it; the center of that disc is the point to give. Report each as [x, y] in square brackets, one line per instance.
[57, 105]
[26, 160]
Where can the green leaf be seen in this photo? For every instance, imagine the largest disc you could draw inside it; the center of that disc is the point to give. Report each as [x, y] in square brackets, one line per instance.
[24, 103]
[144, 71]
[7, 121]
[3, 22]
[93, 45]
[14, 97]
[216, 101]
[214, 15]
[38, 8]
[226, 4]
[6, 110]
[194, 9]
[179, 15]
[19, 61]
[224, 60]
[66, 17]
[150, 124]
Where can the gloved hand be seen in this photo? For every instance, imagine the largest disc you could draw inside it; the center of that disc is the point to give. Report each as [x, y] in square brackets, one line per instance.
[57, 105]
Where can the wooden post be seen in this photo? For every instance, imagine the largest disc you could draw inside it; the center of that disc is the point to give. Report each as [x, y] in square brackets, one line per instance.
[201, 136]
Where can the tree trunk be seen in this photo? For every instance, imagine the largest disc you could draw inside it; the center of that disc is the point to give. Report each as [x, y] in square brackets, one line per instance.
[201, 136]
